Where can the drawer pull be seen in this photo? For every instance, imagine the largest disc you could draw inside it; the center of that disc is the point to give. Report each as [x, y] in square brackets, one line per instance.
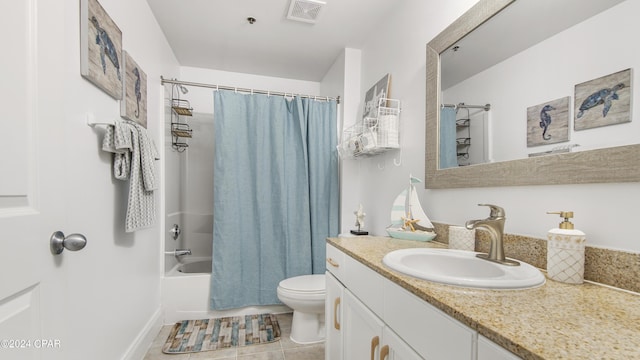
[333, 262]
[375, 341]
[336, 323]
[384, 352]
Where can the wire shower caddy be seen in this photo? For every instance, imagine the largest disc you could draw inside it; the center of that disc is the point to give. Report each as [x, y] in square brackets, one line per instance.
[373, 135]
[180, 130]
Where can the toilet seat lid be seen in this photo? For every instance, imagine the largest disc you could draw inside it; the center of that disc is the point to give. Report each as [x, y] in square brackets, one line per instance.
[305, 283]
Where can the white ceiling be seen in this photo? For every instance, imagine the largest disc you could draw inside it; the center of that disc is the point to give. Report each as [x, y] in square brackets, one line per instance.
[215, 34]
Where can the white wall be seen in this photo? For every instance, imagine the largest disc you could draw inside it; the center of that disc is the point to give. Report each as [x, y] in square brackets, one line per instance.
[603, 211]
[398, 48]
[343, 79]
[548, 71]
[114, 283]
[173, 184]
[192, 187]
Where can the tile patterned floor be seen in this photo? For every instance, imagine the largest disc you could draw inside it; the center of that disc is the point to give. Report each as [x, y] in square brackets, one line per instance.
[285, 349]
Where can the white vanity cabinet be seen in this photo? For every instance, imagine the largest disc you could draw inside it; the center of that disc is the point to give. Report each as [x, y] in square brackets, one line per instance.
[367, 337]
[353, 330]
[362, 330]
[488, 350]
[370, 317]
[431, 332]
[396, 347]
[333, 318]
[334, 304]
[379, 320]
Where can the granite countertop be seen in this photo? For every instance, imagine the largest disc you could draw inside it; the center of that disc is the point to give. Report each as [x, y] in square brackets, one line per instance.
[554, 321]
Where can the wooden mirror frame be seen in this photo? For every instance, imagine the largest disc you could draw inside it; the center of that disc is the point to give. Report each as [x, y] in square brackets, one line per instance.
[615, 164]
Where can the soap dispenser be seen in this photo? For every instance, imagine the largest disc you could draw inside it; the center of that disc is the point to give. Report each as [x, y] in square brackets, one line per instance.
[565, 251]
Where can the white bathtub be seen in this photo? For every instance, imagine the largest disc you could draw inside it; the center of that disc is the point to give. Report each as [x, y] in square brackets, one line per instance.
[195, 267]
[185, 294]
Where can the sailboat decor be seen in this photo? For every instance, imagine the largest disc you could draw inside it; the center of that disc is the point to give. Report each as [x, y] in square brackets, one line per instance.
[408, 220]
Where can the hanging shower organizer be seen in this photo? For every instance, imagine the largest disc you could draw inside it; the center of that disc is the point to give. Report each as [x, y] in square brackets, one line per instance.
[463, 133]
[373, 135]
[463, 138]
[180, 130]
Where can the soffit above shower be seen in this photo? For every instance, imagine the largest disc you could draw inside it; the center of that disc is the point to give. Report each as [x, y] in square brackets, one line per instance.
[216, 34]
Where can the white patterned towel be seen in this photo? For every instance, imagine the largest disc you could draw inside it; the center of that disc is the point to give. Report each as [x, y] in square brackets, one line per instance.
[117, 140]
[134, 155]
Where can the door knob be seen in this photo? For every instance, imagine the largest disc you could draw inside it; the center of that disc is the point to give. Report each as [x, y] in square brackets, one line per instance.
[73, 242]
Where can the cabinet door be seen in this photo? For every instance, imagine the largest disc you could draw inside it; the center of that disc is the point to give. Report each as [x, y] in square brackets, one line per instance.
[362, 330]
[333, 318]
[396, 349]
[488, 350]
[434, 334]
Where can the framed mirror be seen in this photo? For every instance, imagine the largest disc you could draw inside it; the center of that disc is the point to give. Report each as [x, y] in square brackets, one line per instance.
[611, 164]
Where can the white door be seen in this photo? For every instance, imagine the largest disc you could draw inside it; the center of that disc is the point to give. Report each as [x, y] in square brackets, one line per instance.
[32, 306]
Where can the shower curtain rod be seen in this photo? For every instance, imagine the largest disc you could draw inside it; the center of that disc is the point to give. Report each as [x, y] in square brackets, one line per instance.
[253, 91]
[486, 107]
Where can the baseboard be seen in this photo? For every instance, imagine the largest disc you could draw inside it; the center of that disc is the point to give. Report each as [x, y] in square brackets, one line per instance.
[141, 343]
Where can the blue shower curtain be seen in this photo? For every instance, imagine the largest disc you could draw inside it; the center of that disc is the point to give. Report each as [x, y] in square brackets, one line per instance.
[448, 147]
[275, 194]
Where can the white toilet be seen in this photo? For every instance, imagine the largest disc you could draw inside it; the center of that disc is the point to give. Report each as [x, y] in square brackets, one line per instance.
[305, 295]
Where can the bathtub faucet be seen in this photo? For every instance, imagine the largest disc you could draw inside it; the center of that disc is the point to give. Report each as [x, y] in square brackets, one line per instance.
[181, 252]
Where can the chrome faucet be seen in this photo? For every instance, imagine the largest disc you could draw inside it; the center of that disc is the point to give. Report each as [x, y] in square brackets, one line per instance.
[181, 252]
[494, 224]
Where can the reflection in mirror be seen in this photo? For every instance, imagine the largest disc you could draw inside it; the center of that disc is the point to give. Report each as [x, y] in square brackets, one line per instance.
[547, 70]
[557, 44]
[464, 131]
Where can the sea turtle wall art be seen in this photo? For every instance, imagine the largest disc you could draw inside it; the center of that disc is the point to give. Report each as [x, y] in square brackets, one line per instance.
[100, 49]
[603, 101]
[134, 103]
[548, 123]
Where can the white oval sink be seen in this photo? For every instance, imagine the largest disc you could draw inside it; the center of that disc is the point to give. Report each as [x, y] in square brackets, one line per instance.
[462, 268]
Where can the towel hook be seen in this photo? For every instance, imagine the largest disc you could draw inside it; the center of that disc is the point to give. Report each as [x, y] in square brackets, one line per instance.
[399, 162]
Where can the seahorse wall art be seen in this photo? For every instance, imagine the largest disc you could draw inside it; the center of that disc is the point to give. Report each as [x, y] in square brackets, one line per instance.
[134, 103]
[100, 49]
[603, 101]
[548, 123]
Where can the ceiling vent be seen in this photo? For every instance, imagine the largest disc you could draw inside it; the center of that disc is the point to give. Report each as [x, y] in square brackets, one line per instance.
[305, 10]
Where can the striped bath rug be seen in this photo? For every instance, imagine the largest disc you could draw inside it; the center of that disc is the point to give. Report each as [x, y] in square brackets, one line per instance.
[212, 334]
